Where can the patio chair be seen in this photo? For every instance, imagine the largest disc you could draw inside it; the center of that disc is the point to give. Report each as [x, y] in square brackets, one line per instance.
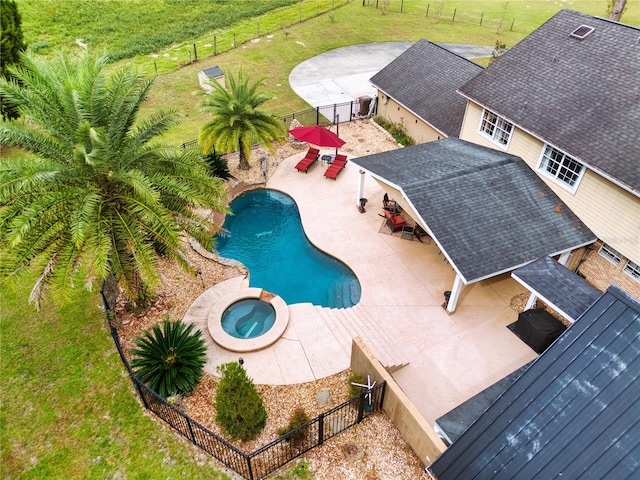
[395, 222]
[309, 159]
[390, 205]
[336, 167]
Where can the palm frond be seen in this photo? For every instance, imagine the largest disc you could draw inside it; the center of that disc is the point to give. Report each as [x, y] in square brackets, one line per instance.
[100, 192]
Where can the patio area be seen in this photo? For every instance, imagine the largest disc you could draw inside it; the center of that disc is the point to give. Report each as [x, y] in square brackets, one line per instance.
[448, 358]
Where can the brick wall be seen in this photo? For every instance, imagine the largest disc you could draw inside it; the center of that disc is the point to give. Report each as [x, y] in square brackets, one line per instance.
[601, 273]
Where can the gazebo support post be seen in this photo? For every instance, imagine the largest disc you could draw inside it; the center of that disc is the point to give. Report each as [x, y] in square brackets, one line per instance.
[360, 188]
[455, 294]
[531, 302]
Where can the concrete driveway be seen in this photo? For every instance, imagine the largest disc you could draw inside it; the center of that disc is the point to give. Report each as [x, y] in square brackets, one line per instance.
[343, 74]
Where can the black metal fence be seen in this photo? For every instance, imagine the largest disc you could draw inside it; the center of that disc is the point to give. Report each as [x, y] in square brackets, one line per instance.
[334, 114]
[325, 115]
[269, 458]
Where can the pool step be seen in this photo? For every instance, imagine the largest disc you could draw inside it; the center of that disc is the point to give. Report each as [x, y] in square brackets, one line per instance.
[346, 323]
[344, 294]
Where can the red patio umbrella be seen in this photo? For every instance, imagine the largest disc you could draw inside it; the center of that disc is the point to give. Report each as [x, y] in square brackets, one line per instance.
[317, 135]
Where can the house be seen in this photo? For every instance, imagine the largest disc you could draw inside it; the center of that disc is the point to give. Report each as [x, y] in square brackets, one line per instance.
[485, 209]
[566, 99]
[572, 413]
[207, 75]
[419, 90]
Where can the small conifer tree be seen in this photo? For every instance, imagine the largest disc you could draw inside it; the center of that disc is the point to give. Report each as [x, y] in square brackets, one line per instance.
[239, 408]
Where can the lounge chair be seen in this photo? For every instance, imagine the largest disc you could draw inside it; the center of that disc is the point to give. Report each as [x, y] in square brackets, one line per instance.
[309, 159]
[394, 222]
[336, 166]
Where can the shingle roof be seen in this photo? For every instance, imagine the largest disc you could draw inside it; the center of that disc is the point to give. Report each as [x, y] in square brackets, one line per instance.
[557, 285]
[574, 413]
[487, 209]
[582, 96]
[425, 79]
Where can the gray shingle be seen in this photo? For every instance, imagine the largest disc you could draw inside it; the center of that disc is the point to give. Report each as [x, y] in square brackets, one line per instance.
[490, 212]
[425, 79]
[582, 96]
[565, 290]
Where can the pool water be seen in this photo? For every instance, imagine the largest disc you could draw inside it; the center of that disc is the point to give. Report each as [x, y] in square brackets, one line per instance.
[248, 318]
[266, 235]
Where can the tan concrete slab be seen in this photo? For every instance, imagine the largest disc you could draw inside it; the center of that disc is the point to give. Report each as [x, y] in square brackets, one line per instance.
[321, 348]
[451, 357]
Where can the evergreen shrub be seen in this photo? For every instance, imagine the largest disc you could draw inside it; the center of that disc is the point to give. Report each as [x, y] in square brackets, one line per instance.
[239, 408]
[298, 418]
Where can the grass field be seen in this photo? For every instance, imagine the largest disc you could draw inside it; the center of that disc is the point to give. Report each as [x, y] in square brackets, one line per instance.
[67, 408]
[128, 27]
[273, 57]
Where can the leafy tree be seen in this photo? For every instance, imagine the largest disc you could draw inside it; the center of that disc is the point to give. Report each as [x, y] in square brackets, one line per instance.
[11, 45]
[170, 361]
[237, 123]
[498, 51]
[98, 197]
[239, 408]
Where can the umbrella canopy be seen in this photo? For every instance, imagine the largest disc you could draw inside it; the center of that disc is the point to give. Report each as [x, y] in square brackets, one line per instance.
[317, 135]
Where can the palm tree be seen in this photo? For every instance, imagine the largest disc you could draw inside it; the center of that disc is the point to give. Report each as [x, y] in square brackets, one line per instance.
[97, 197]
[170, 360]
[237, 123]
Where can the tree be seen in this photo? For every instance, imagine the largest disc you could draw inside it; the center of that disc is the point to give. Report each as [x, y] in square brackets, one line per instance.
[498, 51]
[11, 45]
[98, 197]
[239, 408]
[616, 8]
[171, 360]
[237, 124]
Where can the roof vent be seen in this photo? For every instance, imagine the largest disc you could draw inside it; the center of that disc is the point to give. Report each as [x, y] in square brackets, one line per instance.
[582, 31]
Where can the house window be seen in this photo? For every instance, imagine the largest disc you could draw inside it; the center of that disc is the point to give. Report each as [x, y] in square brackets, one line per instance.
[632, 269]
[561, 167]
[610, 254]
[496, 128]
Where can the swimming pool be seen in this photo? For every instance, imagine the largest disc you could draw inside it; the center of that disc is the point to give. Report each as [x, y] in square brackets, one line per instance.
[266, 235]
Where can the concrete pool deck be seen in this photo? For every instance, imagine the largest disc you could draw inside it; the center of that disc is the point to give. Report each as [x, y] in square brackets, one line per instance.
[400, 314]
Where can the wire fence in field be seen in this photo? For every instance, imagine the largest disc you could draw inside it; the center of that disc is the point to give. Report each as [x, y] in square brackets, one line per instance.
[228, 39]
[498, 19]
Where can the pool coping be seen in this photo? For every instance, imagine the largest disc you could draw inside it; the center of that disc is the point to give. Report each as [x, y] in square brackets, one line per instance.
[243, 345]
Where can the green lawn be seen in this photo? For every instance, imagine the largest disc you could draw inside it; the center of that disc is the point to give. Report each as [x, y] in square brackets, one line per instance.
[273, 57]
[68, 409]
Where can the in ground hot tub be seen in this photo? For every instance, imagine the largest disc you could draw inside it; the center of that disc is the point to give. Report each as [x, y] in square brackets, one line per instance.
[247, 320]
